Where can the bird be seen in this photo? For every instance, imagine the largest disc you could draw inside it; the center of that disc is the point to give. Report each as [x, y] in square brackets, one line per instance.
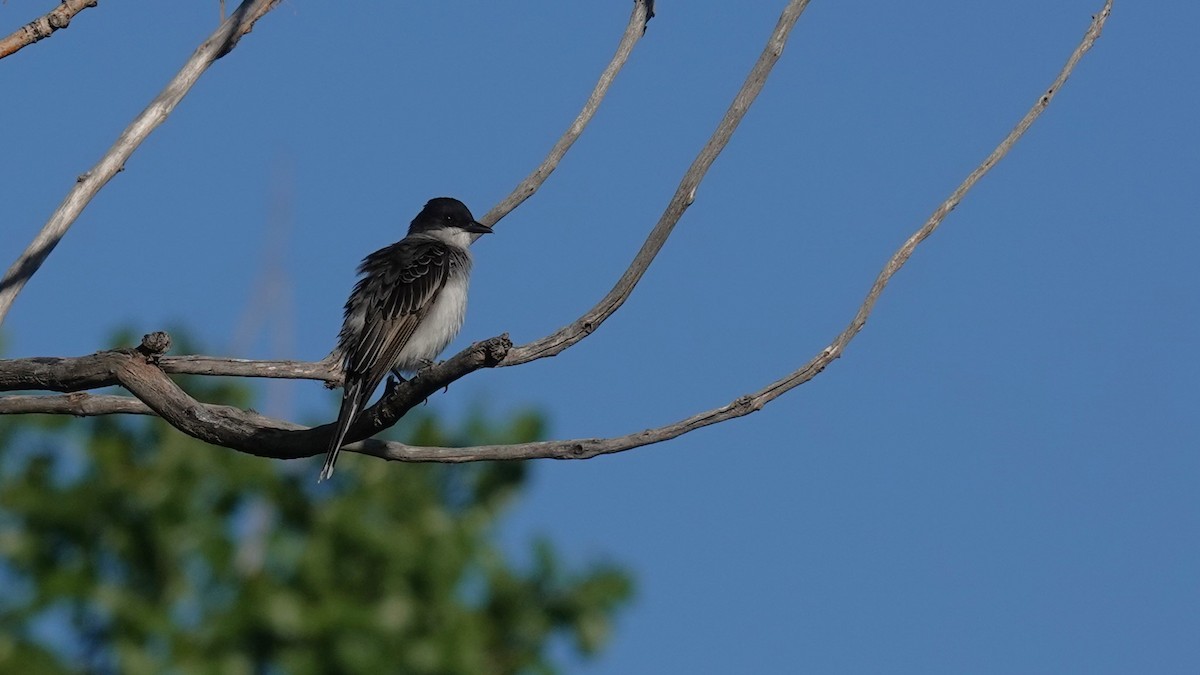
[408, 305]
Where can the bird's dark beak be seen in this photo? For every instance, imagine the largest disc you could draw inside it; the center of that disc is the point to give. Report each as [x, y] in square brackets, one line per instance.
[477, 228]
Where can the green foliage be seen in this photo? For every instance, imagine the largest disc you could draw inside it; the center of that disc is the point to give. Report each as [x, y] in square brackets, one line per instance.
[127, 547]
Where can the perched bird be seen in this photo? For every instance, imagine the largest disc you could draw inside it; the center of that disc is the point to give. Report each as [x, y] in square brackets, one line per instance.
[408, 305]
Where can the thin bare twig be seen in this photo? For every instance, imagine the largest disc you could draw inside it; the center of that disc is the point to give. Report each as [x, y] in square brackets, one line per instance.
[642, 11]
[89, 184]
[685, 194]
[43, 26]
[902, 255]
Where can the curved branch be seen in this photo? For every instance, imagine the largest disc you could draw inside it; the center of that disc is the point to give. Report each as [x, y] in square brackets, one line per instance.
[44, 26]
[643, 10]
[685, 194]
[89, 184]
[256, 434]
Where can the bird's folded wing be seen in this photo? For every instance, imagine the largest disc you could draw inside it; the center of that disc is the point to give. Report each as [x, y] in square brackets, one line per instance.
[398, 286]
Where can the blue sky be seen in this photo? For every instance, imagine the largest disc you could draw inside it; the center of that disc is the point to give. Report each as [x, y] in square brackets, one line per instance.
[1001, 473]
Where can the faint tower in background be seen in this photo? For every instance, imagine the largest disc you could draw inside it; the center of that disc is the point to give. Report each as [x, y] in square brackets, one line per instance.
[268, 319]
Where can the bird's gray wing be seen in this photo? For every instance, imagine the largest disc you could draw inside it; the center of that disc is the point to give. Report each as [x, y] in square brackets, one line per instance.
[398, 286]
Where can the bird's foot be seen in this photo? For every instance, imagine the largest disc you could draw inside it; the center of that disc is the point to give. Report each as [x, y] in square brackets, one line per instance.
[426, 364]
[390, 387]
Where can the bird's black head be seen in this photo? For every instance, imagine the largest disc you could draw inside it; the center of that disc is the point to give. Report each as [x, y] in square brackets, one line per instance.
[444, 213]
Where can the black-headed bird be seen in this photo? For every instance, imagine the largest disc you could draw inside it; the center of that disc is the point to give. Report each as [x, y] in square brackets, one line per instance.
[408, 305]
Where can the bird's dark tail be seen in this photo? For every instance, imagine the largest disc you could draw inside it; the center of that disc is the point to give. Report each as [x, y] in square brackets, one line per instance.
[351, 400]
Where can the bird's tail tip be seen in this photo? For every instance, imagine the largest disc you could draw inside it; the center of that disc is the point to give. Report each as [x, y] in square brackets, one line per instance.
[346, 415]
[327, 468]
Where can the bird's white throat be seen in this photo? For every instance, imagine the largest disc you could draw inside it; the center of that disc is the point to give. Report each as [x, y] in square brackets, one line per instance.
[453, 236]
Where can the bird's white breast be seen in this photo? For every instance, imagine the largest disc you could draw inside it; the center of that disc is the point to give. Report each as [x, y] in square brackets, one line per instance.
[439, 327]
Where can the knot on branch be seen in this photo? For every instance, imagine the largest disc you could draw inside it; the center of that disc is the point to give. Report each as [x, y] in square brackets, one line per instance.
[154, 345]
[77, 400]
[495, 349]
[746, 404]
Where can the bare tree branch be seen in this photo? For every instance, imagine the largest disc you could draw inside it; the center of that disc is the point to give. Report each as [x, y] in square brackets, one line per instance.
[642, 11]
[327, 370]
[257, 434]
[44, 26]
[138, 370]
[685, 194]
[58, 374]
[73, 373]
[79, 404]
[89, 184]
